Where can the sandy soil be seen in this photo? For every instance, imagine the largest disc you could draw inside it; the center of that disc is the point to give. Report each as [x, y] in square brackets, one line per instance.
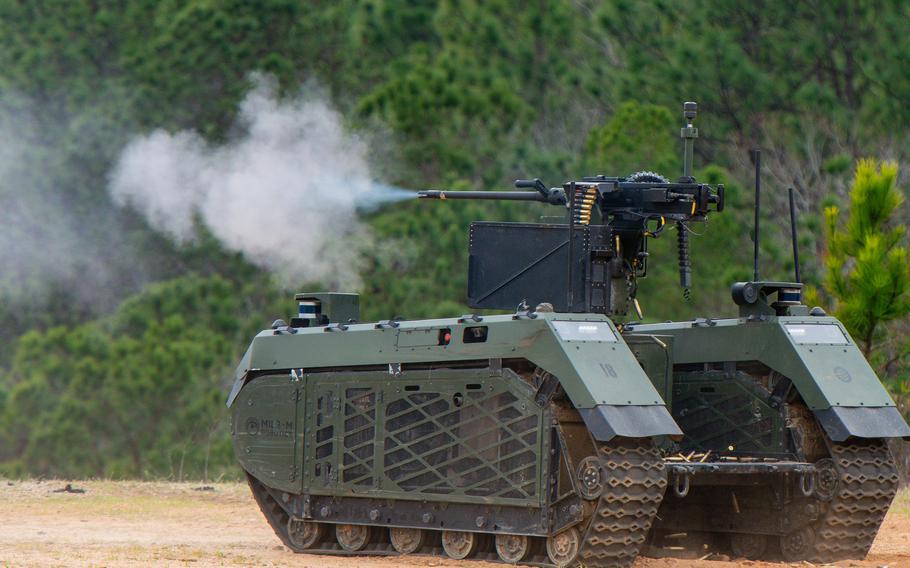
[135, 524]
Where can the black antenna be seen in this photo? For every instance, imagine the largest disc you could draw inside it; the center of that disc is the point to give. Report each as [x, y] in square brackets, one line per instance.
[793, 235]
[756, 156]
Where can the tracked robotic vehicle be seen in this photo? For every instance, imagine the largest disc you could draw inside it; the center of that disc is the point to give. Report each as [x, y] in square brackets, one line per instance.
[551, 435]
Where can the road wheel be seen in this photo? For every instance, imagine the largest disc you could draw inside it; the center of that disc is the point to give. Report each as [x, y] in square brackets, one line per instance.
[826, 479]
[512, 548]
[353, 538]
[304, 534]
[407, 541]
[459, 544]
[562, 548]
[798, 545]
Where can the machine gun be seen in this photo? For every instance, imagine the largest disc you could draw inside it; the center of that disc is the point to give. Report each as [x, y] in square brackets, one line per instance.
[590, 263]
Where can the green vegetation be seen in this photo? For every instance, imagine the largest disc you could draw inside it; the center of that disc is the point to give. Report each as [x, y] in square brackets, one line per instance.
[117, 353]
[138, 393]
[868, 272]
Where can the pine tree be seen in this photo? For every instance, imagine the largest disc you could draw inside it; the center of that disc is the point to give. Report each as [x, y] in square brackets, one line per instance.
[868, 273]
[867, 261]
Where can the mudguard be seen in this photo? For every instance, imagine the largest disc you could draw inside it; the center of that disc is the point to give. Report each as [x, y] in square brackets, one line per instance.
[593, 364]
[815, 353]
[841, 422]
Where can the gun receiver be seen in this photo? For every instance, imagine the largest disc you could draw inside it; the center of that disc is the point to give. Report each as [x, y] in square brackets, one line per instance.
[590, 263]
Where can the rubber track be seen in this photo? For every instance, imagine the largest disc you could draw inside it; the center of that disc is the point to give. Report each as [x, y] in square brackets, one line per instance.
[636, 481]
[614, 536]
[379, 546]
[867, 485]
[271, 510]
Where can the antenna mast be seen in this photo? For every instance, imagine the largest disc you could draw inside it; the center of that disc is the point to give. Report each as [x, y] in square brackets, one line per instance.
[793, 236]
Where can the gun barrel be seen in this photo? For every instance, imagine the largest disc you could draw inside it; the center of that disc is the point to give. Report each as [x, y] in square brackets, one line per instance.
[500, 195]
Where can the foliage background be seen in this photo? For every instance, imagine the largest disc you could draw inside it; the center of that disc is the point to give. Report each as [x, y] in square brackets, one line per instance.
[118, 363]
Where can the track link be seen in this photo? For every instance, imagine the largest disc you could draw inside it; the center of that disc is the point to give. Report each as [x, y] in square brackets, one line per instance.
[867, 483]
[635, 483]
[635, 480]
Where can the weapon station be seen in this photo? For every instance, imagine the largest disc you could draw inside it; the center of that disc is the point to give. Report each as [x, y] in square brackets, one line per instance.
[590, 263]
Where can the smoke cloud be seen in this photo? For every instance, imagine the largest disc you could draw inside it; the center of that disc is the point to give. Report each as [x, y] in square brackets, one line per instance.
[53, 238]
[285, 193]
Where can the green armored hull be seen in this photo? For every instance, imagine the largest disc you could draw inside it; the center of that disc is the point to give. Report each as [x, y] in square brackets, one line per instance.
[553, 436]
[453, 433]
[516, 436]
[791, 422]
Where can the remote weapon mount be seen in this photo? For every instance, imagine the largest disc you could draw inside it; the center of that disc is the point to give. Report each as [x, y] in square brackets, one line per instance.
[590, 263]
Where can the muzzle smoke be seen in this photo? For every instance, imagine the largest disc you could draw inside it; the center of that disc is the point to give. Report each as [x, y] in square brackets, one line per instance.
[285, 194]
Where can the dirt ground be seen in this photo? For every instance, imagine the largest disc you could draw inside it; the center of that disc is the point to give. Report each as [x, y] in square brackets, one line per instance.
[135, 524]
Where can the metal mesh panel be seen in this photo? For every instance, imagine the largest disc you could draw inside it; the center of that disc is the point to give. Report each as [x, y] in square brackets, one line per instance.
[717, 413]
[325, 430]
[359, 432]
[480, 442]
